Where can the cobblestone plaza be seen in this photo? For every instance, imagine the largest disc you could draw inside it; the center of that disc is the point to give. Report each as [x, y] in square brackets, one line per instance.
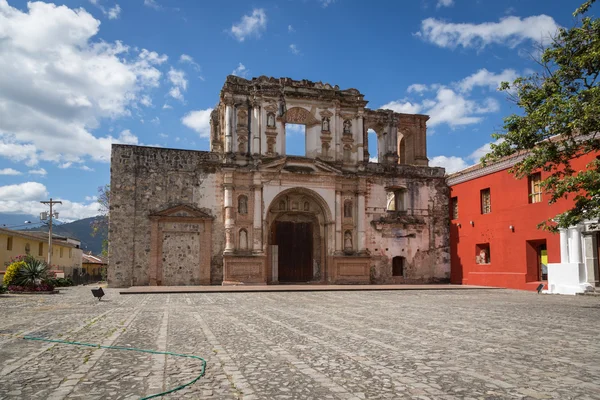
[491, 344]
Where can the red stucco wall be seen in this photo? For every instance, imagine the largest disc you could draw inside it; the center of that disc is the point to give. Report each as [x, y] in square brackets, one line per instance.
[509, 250]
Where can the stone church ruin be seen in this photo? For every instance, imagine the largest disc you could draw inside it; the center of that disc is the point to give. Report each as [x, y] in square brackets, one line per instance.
[245, 212]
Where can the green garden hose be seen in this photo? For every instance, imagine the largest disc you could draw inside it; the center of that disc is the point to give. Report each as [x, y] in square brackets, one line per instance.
[134, 349]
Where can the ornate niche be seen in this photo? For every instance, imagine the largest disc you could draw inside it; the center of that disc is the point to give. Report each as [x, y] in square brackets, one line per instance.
[326, 134]
[271, 131]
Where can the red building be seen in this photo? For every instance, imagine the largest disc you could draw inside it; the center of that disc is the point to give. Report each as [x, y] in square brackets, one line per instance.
[494, 239]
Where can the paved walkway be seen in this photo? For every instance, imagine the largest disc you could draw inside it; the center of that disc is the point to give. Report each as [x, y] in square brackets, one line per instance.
[438, 344]
[289, 288]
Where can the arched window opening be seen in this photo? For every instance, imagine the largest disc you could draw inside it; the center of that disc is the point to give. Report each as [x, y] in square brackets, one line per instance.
[398, 266]
[396, 200]
[373, 146]
[243, 205]
[401, 149]
[295, 140]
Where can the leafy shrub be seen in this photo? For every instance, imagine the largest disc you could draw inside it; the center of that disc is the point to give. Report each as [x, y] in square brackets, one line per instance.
[32, 274]
[11, 272]
[3, 289]
[60, 282]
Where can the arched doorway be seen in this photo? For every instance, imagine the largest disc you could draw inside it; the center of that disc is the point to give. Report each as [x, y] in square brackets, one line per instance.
[298, 235]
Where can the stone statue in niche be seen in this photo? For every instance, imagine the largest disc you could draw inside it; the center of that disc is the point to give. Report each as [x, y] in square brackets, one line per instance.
[348, 241]
[271, 120]
[306, 206]
[243, 205]
[347, 126]
[282, 205]
[482, 257]
[325, 125]
[347, 209]
[243, 245]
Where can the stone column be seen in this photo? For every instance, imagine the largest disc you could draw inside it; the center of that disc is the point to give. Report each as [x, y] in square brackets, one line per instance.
[257, 218]
[338, 222]
[256, 128]
[564, 246]
[360, 136]
[228, 129]
[575, 250]
[361, 218]
[590, 243]
[229, 221]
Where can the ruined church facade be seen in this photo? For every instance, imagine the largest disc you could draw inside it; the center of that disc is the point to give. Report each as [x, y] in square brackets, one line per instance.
[247, 213]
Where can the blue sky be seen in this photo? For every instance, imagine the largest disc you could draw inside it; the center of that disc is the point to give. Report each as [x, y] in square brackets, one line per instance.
[80, 75]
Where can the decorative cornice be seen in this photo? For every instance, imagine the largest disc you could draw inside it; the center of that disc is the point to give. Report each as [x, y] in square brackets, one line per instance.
[483, 171]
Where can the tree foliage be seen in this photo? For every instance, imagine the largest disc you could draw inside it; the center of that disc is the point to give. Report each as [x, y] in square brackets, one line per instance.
[100, 224]
[560, 121]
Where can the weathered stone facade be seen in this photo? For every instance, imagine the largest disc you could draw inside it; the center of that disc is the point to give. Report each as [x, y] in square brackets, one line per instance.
[247, 213]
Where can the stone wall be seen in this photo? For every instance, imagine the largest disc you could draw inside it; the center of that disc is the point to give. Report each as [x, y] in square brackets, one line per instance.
[146, 180]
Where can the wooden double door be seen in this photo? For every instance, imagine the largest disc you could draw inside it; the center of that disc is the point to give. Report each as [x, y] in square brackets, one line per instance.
[295, 243]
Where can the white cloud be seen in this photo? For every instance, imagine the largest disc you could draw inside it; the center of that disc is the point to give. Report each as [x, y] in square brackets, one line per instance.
[241, 70]
[451, 164]
[163, 135]
[126, 137]
[374, 159]
[23, 192]
[177, 79]
[404, 107]
[294, 49]
[453, 104]
[86, 168]
[187, 59]
[66, 165]
[152, 4]
[509, 31]
[485, 78]
[455, 110]
[40, 171]
[9, 171]
[114, 12]
[155, 121]
[91, 198]
[146, 100]
[417, 88]
[57, 84]
[166, 106]
[199, 121]
[444, 3]
[250, 25]
[291, 29]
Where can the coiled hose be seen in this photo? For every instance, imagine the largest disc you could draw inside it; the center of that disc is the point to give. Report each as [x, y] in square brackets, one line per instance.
[133, 349]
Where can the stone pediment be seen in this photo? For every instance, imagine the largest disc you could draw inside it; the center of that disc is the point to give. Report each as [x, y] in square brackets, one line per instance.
[299, 165]
[181, 211]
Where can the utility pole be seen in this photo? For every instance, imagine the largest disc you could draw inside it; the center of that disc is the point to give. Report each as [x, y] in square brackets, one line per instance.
[51, 203]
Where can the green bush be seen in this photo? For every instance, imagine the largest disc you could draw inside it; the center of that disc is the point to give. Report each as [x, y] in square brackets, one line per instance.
[32, 274]
[11, 272]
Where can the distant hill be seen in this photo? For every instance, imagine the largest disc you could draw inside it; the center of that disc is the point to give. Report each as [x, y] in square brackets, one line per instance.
[80, 229]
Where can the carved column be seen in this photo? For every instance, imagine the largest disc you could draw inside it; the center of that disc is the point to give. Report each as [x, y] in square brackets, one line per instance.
[257, 218]
[361, 218]
[338, 222]
[229, 220]
[228, 128]
[361, 137]
[255, 128]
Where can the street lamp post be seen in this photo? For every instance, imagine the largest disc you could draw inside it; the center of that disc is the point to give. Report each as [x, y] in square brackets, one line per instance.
[51, 203]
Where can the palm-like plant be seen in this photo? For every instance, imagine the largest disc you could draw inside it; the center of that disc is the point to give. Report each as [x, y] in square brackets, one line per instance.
[33, 273]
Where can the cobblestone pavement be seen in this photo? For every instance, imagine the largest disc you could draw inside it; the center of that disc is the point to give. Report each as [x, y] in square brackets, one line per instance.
[475, 344]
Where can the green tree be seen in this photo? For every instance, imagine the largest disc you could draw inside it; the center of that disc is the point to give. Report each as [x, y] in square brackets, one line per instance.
[100, 223]
[560, 121]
